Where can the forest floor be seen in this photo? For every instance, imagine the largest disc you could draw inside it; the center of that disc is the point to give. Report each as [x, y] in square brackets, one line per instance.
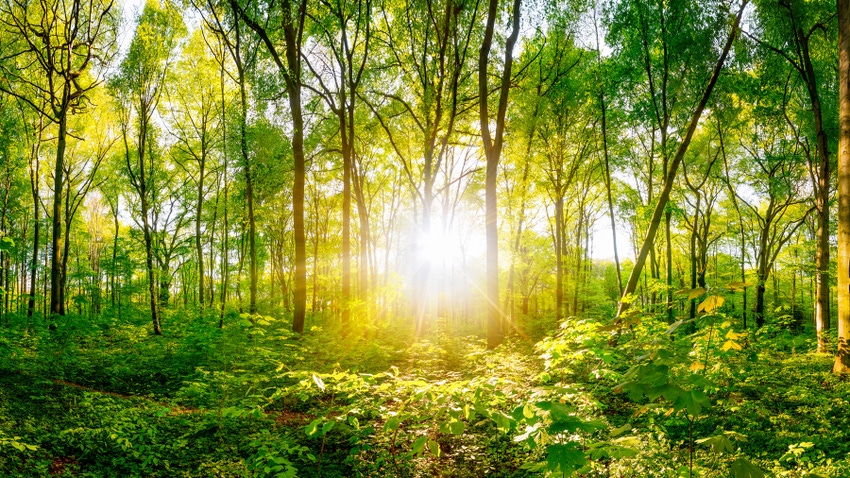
[106, 399]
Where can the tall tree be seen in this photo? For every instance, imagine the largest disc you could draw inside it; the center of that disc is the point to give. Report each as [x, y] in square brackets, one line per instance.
[790, 29]
[195, 119]
[842, 359]
[670, 177]
[139, 87]
[56, 44]
[344, 34]
[291, 18]
[493, 142]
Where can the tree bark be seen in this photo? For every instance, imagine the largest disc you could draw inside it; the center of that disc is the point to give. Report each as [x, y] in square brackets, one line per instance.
[56, 305]
[842, 359]
[36, 202]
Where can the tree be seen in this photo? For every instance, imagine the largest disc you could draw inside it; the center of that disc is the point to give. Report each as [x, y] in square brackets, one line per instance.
[291, 17]
[842, 359]
[492, 142]
[195, 104]
[773, 168]
[138, 89]
[801, 22]
[345, 35]
[59, 47]
[670, 177]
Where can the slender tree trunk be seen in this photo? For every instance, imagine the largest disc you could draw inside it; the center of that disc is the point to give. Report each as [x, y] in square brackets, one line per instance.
[493, 151]
[608, 193]
[346, 221]
[157, 330]
[34, 170]
[225, 233]
[198, 245]
[842, 359]
[114, 271]
[292, 34]
[56, 305]
[559, 261]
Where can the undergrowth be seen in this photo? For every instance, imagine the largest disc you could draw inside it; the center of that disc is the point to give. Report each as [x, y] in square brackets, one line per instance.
[636, 398]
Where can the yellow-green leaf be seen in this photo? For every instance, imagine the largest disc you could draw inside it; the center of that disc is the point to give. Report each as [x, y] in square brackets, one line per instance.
[710, 304]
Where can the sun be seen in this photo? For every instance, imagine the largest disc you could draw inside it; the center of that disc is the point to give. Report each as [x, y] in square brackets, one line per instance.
[441, 247]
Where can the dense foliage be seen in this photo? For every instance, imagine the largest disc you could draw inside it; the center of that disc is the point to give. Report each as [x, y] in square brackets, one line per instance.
[110, 399]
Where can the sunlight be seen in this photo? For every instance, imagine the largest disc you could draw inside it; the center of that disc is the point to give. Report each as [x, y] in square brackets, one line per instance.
[441, 247]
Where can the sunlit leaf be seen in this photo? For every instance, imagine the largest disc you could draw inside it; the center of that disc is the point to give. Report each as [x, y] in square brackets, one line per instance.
[434, 447]
[719, 444]
[731, 345]
[319, 383]
[710, 304]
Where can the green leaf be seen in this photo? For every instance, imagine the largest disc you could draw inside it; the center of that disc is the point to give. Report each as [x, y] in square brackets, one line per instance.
[719, 444]
[456, 427]
[693, 401]
[434, 447]
[503, 422]
[419, 445]
[392, 424]
[742, 468]
[564, 458]
[312, 428]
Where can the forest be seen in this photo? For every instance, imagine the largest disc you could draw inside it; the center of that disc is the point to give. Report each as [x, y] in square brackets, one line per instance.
[410, 238]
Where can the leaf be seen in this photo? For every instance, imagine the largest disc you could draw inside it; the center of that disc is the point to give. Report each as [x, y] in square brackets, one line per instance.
[731, 344]
[503, 422]
[434, 447]
[732, 335]
[742, 468]
[419, 445]
[564, 458]
[456, 427]
[675, 326]
[737, 286]
[392, 424]
[696, 366]
[693, 401]
[696, 293]
[710, 304]
[719, 444]
[312, 428]
[319, 383]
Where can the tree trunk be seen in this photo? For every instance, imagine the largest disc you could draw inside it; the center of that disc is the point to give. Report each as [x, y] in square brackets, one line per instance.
[36, 202]
[346, 221]
[842, 359]
[56, 305]
[559, 261]
[493, 151]
[292, 34]
[198, 245]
